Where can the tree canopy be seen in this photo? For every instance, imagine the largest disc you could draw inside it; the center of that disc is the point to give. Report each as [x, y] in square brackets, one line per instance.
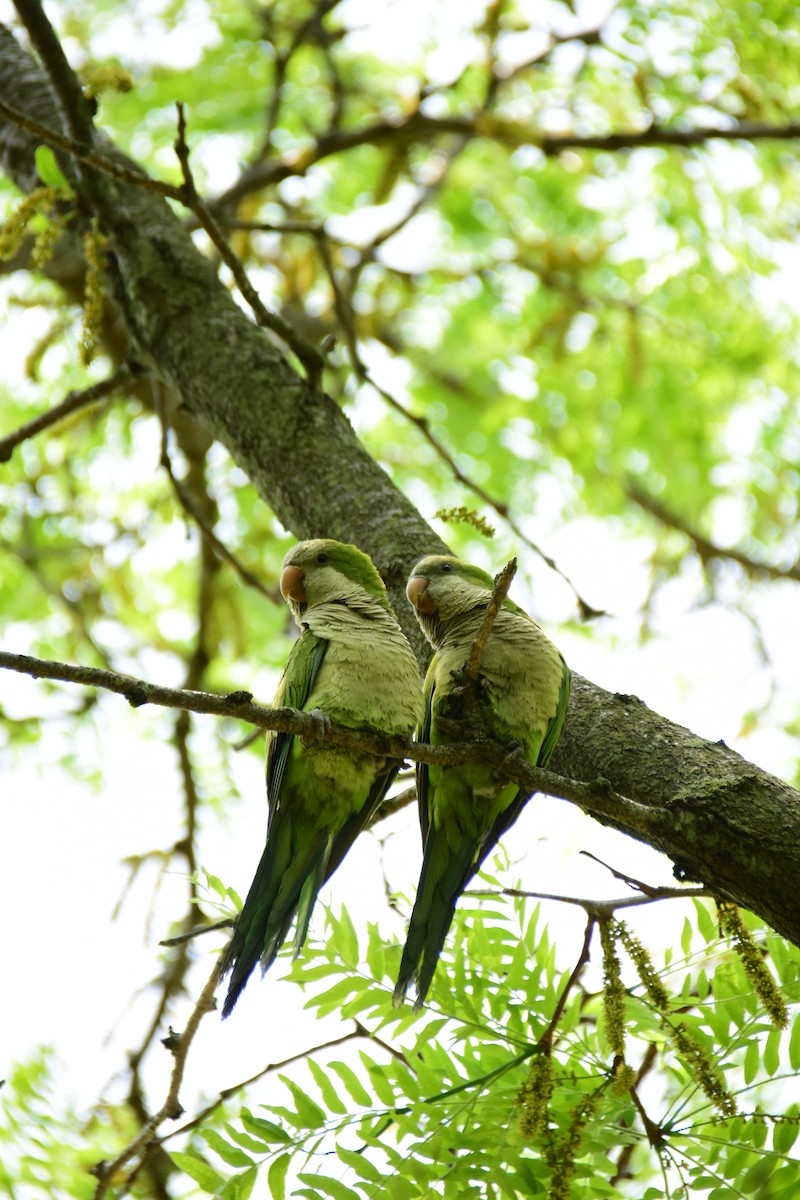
[506, 278]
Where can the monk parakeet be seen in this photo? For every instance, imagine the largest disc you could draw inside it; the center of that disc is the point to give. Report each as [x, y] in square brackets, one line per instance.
[524, 687]
[353, 664]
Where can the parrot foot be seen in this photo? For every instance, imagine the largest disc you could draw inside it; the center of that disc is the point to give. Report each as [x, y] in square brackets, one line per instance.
[322, 722]
[513, 758]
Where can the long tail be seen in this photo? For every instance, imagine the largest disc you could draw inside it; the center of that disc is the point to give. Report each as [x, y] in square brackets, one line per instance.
[445, 873]
[282, 886]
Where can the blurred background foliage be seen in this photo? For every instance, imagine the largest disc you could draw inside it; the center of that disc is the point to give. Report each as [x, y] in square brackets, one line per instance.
[591, 347]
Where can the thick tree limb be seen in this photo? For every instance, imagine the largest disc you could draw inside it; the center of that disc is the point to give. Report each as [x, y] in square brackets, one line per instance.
[722, 820]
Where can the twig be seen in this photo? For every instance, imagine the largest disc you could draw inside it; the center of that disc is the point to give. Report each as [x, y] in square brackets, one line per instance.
[197, 932]
[546, 1040]
[226, 1093]
[310, 357]
[502, 583]
[706, 549]
[597, 798]
[597, 908]
[648, 889]
[58, 141]
[71, 404]
[171, 1108]
[343, 308]
[587, 610]
[392, 804]
[312, 25]
[186, 501]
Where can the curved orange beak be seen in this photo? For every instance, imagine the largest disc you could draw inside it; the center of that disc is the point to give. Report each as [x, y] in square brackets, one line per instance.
[416, 590]
[292, 584]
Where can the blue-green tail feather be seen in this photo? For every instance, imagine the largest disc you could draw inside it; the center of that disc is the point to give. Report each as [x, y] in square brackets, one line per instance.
[283, 887]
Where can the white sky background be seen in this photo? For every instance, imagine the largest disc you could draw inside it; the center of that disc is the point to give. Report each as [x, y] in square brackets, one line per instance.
[69, 969]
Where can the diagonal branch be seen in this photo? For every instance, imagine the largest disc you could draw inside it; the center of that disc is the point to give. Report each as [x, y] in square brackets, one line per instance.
[117, 170]
[502, 583]
[598, 798]
[72, 403]
[707, 550]
[308, 355]
[717, 821]
[171, 1109]
[73, 106]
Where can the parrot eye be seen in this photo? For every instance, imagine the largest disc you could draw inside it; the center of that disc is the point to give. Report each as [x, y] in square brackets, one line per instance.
[322, 558]
[447, 568]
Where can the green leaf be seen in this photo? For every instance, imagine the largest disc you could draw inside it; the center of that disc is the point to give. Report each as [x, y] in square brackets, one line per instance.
[784, 1136]
[198, 1170]
[772, 1052]
[309, 1114]
[346, 939]
[329, 1093]
[361, 1164]
[794, 1043]
[354, 1086]
[232, 1155]
[264, 1128]
[276, 1176]
[325, 1186]
[752, 1062]
[48, 170]
[239, 1187]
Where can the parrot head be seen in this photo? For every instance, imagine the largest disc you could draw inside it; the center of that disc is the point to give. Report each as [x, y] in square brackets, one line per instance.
[443, 588]
[323, 571]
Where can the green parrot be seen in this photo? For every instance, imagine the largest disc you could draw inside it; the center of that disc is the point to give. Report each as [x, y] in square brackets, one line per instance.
[524, 687]
[353, 664]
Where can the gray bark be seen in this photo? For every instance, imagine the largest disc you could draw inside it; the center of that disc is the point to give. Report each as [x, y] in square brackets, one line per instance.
[723, 821]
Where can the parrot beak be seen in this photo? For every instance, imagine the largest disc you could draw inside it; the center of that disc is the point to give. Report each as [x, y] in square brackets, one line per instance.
[292, 584]
[417, 595]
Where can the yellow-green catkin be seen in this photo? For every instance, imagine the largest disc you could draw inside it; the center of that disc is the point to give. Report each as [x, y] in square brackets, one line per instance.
[657, 994]
[613, 989]
[40, 201]
[765, 987]
[623, 1079]
[562, 1158]
[95, 248]
[696, 1059]
[701, 1068]
[533, 1097]
[97, 78]
[467, 516]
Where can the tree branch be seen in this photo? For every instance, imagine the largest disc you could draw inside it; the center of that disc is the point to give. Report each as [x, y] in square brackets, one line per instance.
[171, 1109]
[696, 812]
[50, 137]
[419, 127]
[73, 106]
[309, 355]
[72, 403]
[502, 583]
[707, 550]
